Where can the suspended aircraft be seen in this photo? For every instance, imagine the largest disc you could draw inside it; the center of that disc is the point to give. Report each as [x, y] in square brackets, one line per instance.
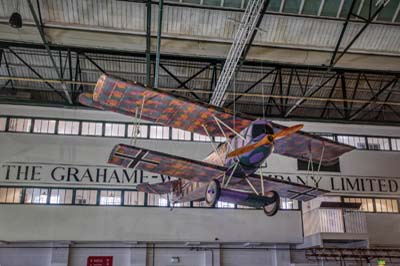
[229, 173]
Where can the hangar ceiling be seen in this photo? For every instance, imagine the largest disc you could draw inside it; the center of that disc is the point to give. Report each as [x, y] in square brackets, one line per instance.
[285, 74]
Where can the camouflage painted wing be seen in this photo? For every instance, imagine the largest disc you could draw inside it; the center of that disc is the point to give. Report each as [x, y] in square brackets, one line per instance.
[127, 97]
[164, 164]
[301, 144]
[285, 189]
[198, 171]
[158, 188]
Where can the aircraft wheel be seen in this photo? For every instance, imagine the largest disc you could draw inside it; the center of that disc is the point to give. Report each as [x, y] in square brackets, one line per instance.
[213, 192]
[272, 208]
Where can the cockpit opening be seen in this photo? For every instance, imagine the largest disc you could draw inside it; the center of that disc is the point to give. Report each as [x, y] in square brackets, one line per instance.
[261, 129]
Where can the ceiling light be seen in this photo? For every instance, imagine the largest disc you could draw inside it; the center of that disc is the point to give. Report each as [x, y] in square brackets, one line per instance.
[15, 20]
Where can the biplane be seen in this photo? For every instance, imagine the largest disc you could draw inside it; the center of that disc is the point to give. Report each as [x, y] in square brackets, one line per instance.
[229, 173]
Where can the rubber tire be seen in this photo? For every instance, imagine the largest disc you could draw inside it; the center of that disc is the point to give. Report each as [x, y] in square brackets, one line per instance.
[277, 203]
[217, 192]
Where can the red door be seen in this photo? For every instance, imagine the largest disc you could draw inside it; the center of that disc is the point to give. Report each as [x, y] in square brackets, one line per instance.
[100, 261]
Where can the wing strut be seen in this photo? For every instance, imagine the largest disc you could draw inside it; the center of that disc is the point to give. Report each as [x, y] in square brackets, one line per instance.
[137, 121]
[212, 144]
[228, 127]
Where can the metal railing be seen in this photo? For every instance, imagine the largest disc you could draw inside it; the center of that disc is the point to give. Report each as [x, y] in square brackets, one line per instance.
[331, 220]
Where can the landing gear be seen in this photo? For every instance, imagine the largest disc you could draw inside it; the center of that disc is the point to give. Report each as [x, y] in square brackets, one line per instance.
[270, 209]
[213, 192]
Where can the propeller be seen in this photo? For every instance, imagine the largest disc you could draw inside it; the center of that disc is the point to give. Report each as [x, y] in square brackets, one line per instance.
[268, 139]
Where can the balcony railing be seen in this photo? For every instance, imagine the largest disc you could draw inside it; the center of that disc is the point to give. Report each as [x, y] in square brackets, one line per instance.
[331, 220]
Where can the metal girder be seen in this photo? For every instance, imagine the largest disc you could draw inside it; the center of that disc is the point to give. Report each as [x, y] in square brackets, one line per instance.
[241, 38]
[374, 98]
[271, 99]
[344, 95]
[45, 43]
[309, 93]
[342, 33]
[253, 35]
[148, 43]
[179, 81]
[3, 54]
[157, 66]
[252, 86]
[289, 87]
[335, 59]
[94, 63]
[194, 76]
[36, 73]
[330, 96]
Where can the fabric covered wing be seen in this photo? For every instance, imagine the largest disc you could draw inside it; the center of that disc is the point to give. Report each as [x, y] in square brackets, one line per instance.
[127, 97]
[284, 188]
[299, 145]
[163, 163]
[158, 188]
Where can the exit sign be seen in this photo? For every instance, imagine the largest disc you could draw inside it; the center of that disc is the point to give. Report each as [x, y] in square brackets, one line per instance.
[100, 261]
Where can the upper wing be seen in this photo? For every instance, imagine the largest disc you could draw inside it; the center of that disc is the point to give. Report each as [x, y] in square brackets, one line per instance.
[127, 97]
[167, 164]
[303, 146]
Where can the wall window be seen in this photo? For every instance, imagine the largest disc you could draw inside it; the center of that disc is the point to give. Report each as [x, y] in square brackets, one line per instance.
[220, 139]
[355, 141]
[375, 205]
[61, 196]
[92, 129]
[182, 204]
[159, 132]
[86, 197]
[110, 197]
[36, 195]
[141, 131]
[222, 204]
[244, 207]
[180, 134]
[378, 143]
[395, 144]
[3, 123]
[199, 204]
[306, 166]
[134, 198]
[10, 195]
[198, 137]
[289, 204]
[386, 205]
[20, 125]
[156, 200]
[114, 130]
[44, 126]
[367, 204]
[68, 127]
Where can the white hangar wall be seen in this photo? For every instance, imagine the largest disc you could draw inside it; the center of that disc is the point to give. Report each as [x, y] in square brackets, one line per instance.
[113, 226]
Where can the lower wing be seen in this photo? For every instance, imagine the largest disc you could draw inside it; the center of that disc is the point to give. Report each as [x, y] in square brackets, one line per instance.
[198, 171]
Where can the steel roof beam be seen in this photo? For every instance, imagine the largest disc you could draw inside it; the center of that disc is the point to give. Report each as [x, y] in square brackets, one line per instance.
[180, 82]
[95, 64]
[335, 59]
[252, 86]
[157, 66]
[45, 43]
[36, 73]
[3, 54]
[248, 63]
[374, 98]
[148, 42]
